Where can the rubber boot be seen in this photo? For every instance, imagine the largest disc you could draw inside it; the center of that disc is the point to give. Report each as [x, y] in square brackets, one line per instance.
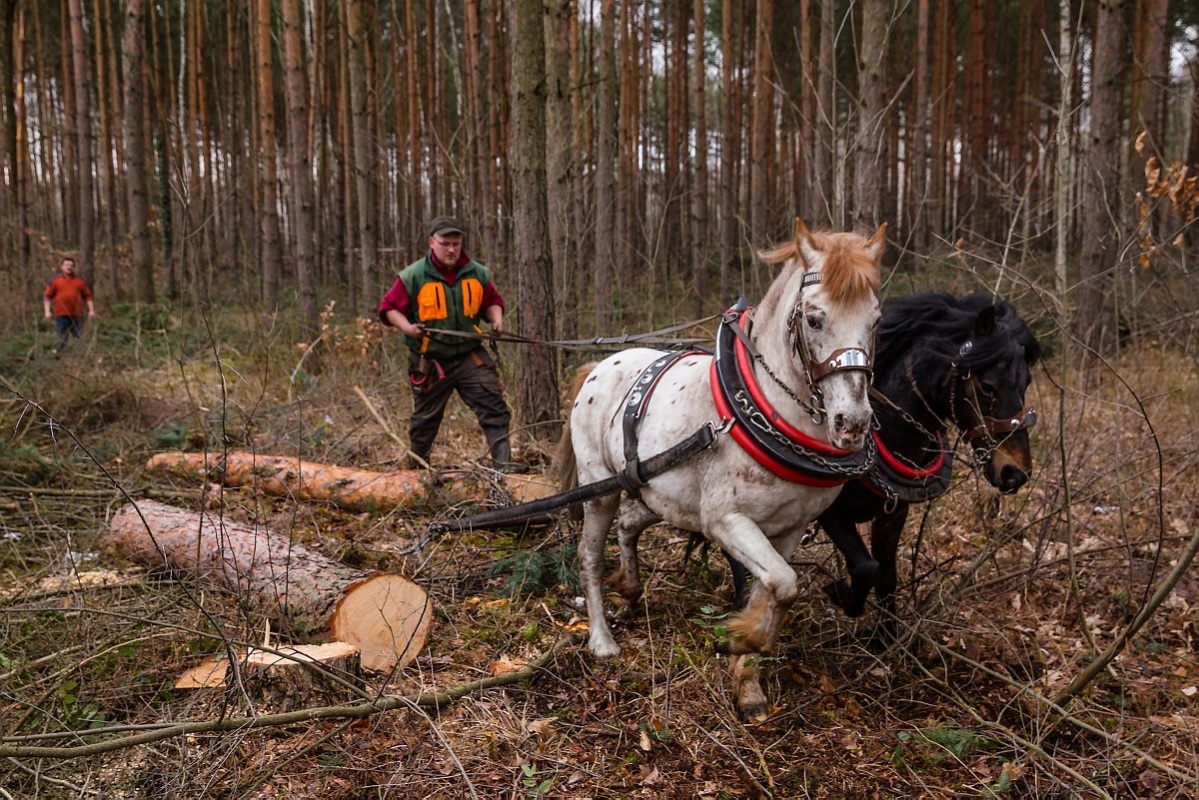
[501, 455]
[418, 460]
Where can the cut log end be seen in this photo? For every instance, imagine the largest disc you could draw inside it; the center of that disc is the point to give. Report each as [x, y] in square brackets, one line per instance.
[387, 617]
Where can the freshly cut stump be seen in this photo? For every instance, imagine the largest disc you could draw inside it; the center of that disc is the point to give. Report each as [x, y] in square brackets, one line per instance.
[387, 617]
[378, 614]
[299, 676]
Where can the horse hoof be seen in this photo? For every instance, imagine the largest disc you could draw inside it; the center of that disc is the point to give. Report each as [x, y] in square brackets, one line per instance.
[601, 649]
[752, 713]
[838, 592]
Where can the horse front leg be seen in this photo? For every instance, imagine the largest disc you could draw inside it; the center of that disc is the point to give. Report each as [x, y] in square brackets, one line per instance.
[631, 522]
[884, 543]
[597, 519]
[745, 680]
[863, 569]
[754, 629]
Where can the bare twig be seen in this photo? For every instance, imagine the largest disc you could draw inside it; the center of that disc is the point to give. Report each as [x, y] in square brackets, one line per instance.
[347, 711]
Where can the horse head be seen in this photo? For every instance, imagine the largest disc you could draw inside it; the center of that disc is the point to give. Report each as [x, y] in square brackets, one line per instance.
[994, 371]
[829, 305]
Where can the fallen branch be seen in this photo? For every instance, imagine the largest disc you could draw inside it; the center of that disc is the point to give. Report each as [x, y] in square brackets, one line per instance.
[349, 711]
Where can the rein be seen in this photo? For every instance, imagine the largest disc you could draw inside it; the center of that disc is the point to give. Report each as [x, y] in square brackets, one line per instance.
[656, 339]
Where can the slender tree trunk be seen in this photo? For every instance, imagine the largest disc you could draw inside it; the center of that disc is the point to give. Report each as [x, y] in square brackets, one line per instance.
[699, 194]
[761, 125]
[103, 104]
[729, 153]
[918, 216]
[269, 253]
[534, 266]
[605, 215]
[364, 162]
[21, 148]
[303, 216]
[8, 123]
[872, 85]
[1101, 202]
[83, 131]
[826, 117]
[136, 181]
[417, 128]
[559, 158]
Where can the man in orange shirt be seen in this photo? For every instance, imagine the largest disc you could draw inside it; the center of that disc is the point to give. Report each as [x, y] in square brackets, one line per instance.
[68, 292]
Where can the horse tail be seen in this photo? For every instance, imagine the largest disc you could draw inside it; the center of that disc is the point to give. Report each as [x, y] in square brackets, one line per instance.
[565, 469]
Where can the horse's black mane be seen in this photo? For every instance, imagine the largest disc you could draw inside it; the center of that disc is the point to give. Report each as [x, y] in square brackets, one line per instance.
[929, 331]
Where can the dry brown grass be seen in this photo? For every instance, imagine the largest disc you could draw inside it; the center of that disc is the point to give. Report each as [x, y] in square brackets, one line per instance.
[1004, 601]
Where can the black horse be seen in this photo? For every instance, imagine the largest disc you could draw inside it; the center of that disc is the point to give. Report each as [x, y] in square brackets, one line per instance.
[941, 361]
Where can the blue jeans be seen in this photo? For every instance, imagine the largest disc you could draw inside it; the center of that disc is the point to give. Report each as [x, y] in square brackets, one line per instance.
[67, 327]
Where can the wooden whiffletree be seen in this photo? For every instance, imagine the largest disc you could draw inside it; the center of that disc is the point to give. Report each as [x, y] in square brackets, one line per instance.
[387, 617]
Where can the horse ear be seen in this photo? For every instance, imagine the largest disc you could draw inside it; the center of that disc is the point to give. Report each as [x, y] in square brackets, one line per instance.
[804, 244]
[877, 242]
[802, 234]
[984, 325]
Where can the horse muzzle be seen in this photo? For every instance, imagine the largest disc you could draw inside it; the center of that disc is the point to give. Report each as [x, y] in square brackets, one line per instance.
[849, 433]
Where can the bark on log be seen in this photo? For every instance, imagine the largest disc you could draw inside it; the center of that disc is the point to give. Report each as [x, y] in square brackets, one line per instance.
[355, 489]
[385, 616]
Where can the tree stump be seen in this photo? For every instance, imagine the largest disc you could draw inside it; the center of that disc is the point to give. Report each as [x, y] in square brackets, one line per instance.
[387, 617]
[300, 676]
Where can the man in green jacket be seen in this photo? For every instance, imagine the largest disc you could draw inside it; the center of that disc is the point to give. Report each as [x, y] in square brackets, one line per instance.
[448, 291]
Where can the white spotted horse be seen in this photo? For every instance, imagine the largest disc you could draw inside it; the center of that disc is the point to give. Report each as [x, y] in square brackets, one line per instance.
[788, 384]
[942, 362]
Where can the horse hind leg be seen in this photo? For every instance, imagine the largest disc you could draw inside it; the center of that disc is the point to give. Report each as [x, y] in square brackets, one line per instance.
[631, 521]
[597, 519]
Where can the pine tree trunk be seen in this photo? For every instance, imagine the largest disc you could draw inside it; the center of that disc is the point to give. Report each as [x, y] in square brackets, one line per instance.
[1101, 202]
[729, 154]
[699, 194]
[761, 125]
[303, 216]
[83, 130]
[605, 212]
[826, 118]
[136, 179]
[534, 266]
[21, 148]
[918, 188]
[269, 252]
[559, 157]
[364, 162]
[869, 142]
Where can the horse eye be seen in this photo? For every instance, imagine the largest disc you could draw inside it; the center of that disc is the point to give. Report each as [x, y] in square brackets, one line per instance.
[815, 322]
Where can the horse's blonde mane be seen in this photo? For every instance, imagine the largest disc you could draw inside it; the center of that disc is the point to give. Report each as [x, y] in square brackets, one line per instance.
[849, 272]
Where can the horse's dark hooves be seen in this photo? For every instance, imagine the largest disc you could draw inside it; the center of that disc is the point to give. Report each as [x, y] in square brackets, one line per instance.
[838, 591]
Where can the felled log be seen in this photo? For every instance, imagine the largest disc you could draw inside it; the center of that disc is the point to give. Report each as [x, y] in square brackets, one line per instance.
[385, 616]
[289, 677]
[355, 489]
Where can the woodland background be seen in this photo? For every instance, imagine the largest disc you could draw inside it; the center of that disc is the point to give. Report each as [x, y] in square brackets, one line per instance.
[239, 182]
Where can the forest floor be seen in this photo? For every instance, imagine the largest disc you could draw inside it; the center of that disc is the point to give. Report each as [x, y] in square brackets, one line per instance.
[1004, 600]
